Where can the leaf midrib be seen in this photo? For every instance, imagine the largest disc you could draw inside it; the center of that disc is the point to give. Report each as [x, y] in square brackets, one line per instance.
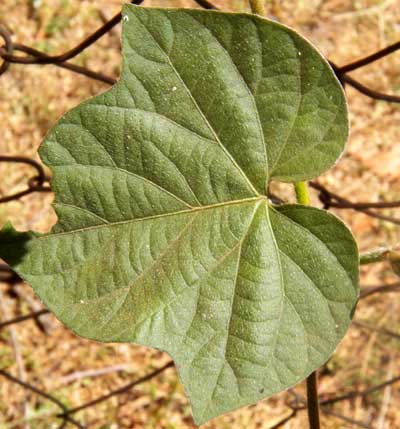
[314, 237]
[251, 95]
[200, 111]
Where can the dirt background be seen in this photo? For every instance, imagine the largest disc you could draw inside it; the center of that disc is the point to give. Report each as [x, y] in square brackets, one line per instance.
[31, 100]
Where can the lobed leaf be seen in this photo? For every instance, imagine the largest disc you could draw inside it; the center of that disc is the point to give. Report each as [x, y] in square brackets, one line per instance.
[165, 236]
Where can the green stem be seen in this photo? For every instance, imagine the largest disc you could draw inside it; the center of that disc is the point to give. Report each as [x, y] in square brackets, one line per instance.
[302, 193]
[373, 256]
[257, 6]
[303, 197]
[312, 401]
[389, 254]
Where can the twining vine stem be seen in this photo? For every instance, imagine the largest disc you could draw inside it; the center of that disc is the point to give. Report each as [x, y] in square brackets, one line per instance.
[312, 401]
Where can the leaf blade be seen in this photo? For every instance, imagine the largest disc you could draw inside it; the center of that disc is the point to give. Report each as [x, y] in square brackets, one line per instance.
[164, 236]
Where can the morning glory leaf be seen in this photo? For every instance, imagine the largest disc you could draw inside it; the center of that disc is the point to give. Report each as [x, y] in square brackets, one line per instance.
[165, 235]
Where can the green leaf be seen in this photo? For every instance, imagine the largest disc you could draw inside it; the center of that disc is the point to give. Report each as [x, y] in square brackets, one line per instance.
[165, 236]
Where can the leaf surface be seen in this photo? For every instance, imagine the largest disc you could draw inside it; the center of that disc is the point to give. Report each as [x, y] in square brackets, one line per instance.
[165, 236]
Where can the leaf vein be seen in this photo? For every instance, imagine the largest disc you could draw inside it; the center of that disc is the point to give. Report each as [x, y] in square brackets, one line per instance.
[195, 103]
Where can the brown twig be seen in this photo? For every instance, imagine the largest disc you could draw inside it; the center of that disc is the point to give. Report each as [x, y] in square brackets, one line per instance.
[284, 420]
[40, 58]
[8, 48]
[65, 65]
[118, 391]
[365, 325]
[23, 318]
[44, 323]
[25, 192]
[205, 4]
[35, 183]
[35, 56]
[342, 203]
[330, 199]
[346, 419]
[41, 176]
[376, 95]
[7, 275]
[371, 290]
[19, 360]
[363, 393]
[65, 415]
[91, 373]
[370, 58]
